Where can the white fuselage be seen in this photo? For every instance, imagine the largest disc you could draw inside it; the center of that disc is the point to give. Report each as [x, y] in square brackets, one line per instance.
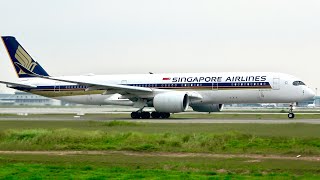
[214, 88]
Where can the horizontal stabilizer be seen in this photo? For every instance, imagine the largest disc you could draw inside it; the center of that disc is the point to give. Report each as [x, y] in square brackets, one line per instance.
[11, 84]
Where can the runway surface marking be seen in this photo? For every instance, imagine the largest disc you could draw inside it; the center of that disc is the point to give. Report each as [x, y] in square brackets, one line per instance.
[256, 157]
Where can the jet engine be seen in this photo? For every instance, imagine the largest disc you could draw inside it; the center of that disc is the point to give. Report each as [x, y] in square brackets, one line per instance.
[171, 102]
[207, 107]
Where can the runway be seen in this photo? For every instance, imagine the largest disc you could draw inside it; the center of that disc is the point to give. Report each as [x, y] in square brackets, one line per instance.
[173, 120]
[128, 110]
[110, 114]
[240, 121]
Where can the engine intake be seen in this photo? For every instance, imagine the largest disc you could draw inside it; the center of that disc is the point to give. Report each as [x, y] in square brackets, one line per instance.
[171, 102]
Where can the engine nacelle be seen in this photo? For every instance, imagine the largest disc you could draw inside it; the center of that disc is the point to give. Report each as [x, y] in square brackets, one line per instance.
[207, 107]
[171, 102]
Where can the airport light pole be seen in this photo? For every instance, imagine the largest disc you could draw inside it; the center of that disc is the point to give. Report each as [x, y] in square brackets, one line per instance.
[315, 98]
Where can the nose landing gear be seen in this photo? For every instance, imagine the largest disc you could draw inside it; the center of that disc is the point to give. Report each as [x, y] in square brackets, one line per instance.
[291, 114]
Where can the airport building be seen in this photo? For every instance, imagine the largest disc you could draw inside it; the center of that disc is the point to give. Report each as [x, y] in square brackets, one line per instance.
[23, 98]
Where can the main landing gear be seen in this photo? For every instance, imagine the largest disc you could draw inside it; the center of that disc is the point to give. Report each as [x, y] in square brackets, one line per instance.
[147, 115]
[291, 114]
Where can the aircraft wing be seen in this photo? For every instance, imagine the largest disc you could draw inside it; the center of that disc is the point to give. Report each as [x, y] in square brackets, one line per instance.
[104, 86]
[17, 84]
[115, 88]
[101, 86]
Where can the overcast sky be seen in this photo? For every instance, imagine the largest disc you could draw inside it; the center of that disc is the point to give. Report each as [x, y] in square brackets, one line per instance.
[74, 37]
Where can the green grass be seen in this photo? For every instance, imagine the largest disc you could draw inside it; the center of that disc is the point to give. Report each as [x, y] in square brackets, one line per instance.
[120, 166]
[120, 123]
[283, 130]
[288, 139]
[227, 142]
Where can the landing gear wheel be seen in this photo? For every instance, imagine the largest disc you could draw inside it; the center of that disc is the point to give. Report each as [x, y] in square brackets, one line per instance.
[155, 115]
[291, 115]
[164, 115]
[145, 115]
[135, 115]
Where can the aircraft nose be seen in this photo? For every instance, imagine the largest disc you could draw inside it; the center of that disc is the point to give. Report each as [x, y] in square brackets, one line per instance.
[309, 93]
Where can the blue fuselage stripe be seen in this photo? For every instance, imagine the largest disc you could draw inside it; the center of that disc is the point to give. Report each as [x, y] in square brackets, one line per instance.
[231, 85]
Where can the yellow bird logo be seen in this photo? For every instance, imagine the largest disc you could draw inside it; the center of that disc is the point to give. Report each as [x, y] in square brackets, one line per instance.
[25, 60]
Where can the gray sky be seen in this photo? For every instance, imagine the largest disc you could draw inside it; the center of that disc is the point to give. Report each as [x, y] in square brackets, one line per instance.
[73, 37]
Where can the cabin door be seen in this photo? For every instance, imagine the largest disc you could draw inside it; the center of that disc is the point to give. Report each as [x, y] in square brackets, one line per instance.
[56, 87]
[215, 85]
[276, 84]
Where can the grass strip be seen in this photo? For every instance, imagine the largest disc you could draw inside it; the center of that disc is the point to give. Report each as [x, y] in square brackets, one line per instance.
[298, 130]
[40, 171]
[227, 142]
[151, 167]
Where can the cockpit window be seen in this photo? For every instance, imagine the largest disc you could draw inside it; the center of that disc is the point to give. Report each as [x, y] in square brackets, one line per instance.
[298, 83]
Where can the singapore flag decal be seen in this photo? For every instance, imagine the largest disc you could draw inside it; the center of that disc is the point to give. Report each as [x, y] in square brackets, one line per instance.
[166, 79]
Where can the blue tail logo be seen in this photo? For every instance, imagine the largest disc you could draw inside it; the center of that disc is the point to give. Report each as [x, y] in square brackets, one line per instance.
[20, 57]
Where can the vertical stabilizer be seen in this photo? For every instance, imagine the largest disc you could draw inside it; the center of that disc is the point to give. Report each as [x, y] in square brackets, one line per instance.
[20, 57]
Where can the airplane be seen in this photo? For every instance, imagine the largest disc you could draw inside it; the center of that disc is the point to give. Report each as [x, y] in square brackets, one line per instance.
[166, 93]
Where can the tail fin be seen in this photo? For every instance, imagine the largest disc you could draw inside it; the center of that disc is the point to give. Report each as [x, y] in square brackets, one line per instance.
[19, 56]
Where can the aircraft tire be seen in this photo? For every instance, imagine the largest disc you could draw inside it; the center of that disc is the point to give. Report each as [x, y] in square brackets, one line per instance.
[164, 115]
[291, 115]
[145, 115]
[135, 115]
[155, 115]
[168, 116]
